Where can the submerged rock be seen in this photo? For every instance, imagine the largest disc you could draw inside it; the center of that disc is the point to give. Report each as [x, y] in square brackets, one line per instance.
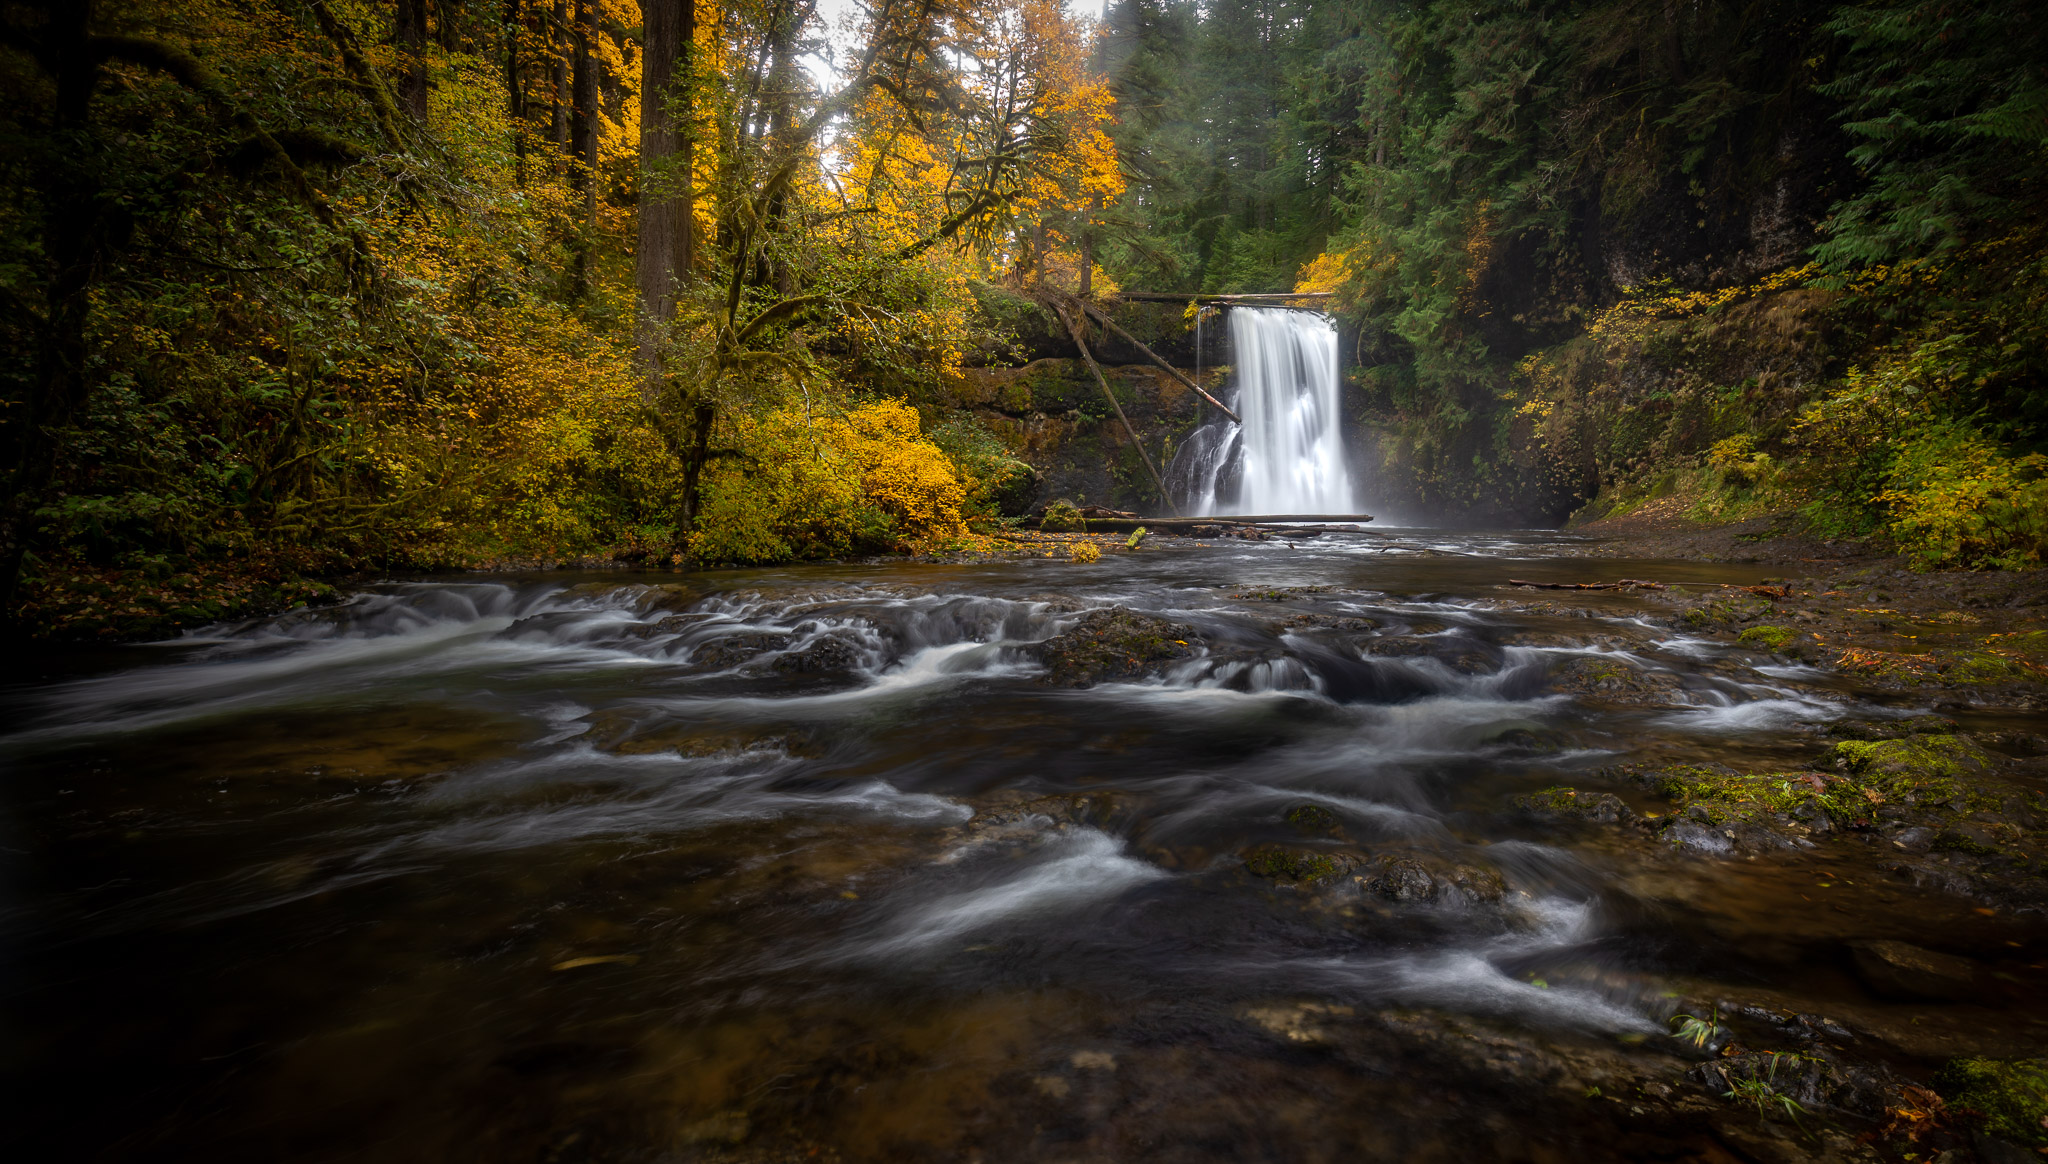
[1900, 970]
[1314, 820]
[737, 650]
[1402, 877]
[1110, 645]
[1613, 681]
[1563, 803]
[1297, 866]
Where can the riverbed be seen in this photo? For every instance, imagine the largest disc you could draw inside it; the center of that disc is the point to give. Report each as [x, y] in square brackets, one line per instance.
[848, 862]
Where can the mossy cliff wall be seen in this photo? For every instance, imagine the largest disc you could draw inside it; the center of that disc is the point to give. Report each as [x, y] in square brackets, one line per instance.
[1052, 414]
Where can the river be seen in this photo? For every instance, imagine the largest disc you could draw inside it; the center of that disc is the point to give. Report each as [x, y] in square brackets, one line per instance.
[831, 863]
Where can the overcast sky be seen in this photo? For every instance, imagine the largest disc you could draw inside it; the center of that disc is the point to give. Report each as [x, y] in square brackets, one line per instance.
[831, 12]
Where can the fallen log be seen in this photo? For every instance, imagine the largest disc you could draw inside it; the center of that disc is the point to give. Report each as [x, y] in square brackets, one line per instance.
[1170, 297]
[1293, 518]
[1624, 584]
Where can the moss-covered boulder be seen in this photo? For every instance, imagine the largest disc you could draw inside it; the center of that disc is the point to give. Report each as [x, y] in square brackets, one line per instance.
[1314, 820]
[2009, 1097]
[1062, 517]
[1111, 645]
[1297, 866]
[1924, 771]
[1781, 640]
[1564, 803]
[1429, 878]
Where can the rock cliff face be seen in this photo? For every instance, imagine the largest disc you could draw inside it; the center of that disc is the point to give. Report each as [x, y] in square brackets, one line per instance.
[1053, 416]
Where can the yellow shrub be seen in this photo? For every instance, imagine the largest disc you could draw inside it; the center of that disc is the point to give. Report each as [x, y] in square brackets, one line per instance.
[812, 486]
[1958, 499]
[1085, 552]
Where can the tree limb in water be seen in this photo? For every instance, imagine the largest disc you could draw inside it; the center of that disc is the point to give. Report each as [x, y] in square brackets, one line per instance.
[1624, 584]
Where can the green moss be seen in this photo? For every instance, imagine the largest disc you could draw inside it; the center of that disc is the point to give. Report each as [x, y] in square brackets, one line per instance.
[1722, 795]
[1312, 817]
[1958, 843]
[1062, 517]
[1919, 770]
[1561, 799]
[1297, 865]
[1770, 638]
[1983, 667]
[2010, 1097]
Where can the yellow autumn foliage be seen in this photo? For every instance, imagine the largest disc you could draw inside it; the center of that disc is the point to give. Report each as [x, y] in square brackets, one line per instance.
[827, 486]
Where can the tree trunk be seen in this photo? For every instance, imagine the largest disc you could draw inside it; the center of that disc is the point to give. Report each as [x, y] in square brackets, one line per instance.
[410, 31]
[558, 77]
[583, 140]
[693, 466]
[448, 24]
[667, 202]
[515, 89]
[74, 241]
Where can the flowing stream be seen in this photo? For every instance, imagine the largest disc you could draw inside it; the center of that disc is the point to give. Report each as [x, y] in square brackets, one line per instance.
[756, 865]
[1288, 456]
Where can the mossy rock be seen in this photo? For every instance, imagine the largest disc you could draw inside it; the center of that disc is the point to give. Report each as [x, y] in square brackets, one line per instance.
[1715, 795]
[1313, 818]
[2010, 1097]
[1984, 667]
[1421, 878]
[1297, 866]
[1574, 804]
[1109, 645]
[1062, 517]
[1778, 640]
[1918, 770]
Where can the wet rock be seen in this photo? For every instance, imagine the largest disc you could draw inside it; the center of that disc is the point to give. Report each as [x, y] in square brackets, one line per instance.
[1061, 810]
[1562, 803]
[1914, 840]
[1297, 866]
[1814, 1078]
[1782, 640]
[1110, 645]
[1892, 729]
[1314, 820]
[1899, 970]
[1402, 647]
[826, 653]
[1421, 878]
[726, 1127]
[1301, 1022]
[1613, 681]
[1700, 838]
[736, 650]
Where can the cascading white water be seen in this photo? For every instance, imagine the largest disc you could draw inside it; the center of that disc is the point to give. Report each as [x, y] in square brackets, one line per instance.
[1288, 457]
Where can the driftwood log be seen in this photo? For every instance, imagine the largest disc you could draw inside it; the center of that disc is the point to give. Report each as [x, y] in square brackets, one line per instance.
[1268, 297]
[1624, 584]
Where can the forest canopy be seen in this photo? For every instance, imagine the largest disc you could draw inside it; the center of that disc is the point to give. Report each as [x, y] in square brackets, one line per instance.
[293, 288]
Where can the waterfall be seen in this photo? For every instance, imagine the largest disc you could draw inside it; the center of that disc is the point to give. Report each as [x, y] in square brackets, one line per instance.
[1289, 455]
